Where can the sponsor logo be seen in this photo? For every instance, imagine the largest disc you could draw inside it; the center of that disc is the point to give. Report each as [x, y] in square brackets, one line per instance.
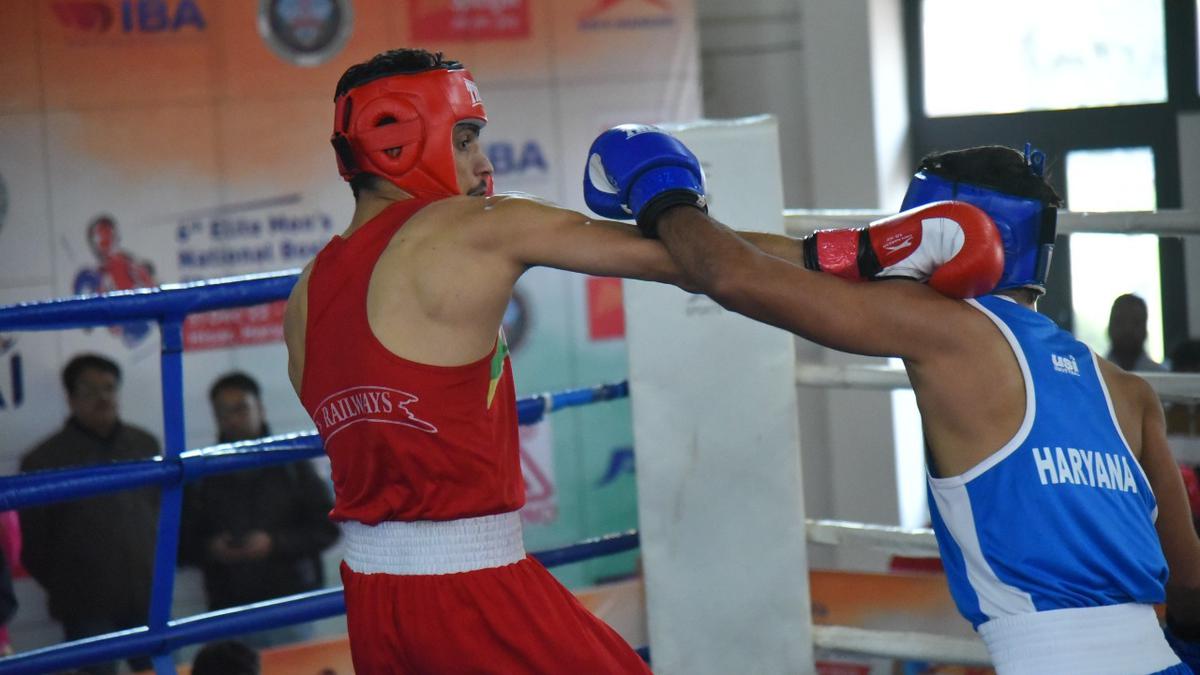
[379, 405]
[1065, 364]
[627, 15]
[473, 90]
[129, 17]
[632, 130]
[620, 463]
[470, 19]
[897, 242]
[305, 32]
[12, 388]
[116, 269]
[516, 158]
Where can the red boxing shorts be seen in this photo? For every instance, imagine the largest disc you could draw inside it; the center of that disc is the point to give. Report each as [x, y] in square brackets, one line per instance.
[511, 618]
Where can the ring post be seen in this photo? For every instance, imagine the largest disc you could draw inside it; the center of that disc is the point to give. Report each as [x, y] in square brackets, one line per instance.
[718, 449]
[171, 496]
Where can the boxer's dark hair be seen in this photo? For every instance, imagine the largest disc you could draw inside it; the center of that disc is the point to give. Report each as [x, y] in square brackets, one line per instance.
[235, 380]
[993, 166]
[392, 62]
[75, 367]
[226, 657]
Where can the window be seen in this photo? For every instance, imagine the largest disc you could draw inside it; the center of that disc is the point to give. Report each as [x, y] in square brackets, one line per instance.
[1104, 266]
[1021, 55]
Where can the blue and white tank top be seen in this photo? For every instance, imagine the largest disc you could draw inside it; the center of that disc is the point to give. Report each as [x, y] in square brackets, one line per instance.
[1062, 516]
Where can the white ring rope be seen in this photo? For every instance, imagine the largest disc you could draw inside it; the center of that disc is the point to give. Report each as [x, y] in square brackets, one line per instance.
[1168, 222]
[916, 543]
[902, 645]
[1174, 386]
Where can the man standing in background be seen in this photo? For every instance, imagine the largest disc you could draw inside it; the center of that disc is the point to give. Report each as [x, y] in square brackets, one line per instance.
[256, 534]
[1127, 334]
[95, 556]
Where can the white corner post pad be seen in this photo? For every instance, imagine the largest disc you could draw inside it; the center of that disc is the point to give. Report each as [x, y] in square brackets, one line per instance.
[720, 496]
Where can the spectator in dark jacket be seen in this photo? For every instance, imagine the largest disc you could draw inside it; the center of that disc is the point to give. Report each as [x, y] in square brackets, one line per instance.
[8, 602]
[95, 556]
[255, 534]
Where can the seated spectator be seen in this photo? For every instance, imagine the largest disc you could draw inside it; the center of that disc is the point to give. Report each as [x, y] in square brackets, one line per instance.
[95, 556]
[8, 603]
[1127, 334]
[227, 657]
[10, 551]
[255, 534]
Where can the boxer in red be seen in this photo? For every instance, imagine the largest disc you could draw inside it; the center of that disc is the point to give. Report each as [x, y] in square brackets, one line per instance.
[410, 386]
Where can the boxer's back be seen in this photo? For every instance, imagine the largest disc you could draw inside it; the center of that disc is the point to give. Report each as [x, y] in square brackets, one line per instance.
[972, 393]
[409, 438]
[436, 295]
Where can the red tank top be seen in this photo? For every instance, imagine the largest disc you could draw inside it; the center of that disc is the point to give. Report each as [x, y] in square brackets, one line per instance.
[406, 440]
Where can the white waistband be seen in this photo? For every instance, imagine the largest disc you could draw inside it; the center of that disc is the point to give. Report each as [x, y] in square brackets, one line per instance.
[1116, 639]
[434, 546]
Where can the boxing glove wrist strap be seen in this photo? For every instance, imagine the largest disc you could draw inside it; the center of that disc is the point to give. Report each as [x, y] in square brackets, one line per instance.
[647, 218]
[842, 253]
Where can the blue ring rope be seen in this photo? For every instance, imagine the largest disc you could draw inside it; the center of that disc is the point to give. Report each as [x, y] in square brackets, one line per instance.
[293, 609]
[169, 304]
[42, 487]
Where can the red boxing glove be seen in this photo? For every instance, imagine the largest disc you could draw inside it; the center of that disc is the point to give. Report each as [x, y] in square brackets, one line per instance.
[954, 246]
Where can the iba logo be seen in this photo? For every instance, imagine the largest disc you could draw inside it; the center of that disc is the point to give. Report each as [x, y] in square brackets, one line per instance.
[516, 158]
[305, 33]
[101, 17]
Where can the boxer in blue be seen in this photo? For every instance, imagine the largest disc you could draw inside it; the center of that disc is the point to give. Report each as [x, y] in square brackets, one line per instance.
[1057, 506]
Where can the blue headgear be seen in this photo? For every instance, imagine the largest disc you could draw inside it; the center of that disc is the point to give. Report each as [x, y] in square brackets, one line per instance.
[1026, 225]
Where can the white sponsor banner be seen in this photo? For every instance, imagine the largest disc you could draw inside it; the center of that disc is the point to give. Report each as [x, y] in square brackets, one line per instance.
[718, 468]
[32, 401]
[24, 230]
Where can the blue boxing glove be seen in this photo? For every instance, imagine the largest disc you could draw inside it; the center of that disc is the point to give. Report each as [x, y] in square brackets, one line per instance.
[1185, 640]
[641, 171]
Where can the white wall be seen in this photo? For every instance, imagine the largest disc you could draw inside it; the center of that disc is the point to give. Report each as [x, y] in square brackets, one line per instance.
[832, 72]
[752, 63]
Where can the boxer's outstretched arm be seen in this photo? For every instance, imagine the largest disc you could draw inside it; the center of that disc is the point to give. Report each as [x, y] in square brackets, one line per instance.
[537, 233]
[896, 318]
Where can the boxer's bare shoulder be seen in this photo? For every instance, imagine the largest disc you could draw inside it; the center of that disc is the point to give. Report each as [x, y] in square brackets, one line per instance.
[295, 319]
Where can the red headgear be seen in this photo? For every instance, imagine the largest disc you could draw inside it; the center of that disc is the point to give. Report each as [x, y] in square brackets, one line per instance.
[414, 113]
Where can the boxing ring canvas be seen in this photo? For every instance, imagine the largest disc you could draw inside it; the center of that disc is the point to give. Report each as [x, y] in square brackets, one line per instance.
[721, 509]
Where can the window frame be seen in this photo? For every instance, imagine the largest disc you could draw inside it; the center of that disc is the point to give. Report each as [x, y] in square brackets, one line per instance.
[1057, 132]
